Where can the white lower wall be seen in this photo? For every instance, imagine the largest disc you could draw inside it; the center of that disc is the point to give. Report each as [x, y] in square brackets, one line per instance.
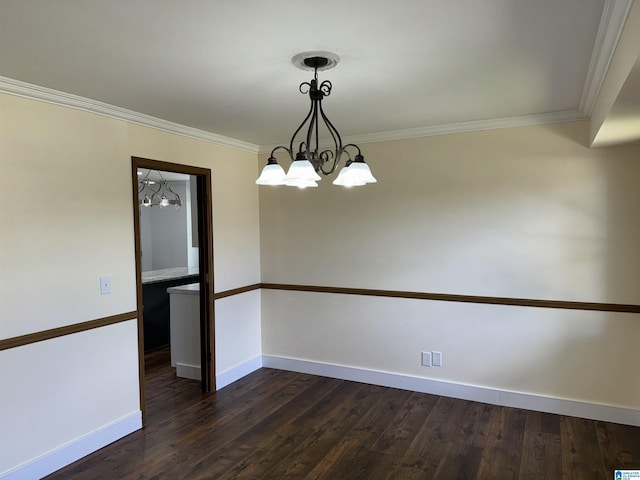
[76, 449]
[64, 398]
[582, 356]
[57, 391]
[238, 336]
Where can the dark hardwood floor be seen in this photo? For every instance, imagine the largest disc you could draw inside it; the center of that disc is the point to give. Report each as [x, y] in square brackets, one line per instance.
[281, 425]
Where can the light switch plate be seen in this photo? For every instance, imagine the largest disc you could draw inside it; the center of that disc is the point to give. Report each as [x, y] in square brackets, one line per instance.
[105, 285]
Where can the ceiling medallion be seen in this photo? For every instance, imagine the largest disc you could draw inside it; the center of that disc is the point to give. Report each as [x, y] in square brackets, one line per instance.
[311, 159]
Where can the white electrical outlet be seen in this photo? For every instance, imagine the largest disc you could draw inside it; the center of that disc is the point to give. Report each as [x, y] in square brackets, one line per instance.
[426, 359]
[437, 359]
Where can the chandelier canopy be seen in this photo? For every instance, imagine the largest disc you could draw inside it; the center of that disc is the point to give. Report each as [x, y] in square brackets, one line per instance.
[311, 158]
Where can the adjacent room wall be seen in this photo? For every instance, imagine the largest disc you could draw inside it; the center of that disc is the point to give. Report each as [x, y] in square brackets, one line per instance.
[521, 213]
[166, 233]
[67, 175]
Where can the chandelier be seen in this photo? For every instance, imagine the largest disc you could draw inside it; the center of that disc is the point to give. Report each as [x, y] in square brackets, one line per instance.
[311, 158]
[150, 196]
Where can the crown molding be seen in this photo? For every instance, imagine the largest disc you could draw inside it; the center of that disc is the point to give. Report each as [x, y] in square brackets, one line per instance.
[471, 126]
[614, 17]
[27, 90]
[22, 89]
[460, 127]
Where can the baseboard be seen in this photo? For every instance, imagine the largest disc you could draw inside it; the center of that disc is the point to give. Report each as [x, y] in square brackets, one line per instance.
[236, 373]
[560, 406]
[188, 371]
[76, 449]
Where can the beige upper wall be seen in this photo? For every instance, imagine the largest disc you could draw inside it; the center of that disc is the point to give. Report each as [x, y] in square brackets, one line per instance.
[67, 177]
[527, 212]
[70, 217]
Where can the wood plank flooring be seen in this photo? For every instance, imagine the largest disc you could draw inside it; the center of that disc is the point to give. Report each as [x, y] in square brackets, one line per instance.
[275, 424]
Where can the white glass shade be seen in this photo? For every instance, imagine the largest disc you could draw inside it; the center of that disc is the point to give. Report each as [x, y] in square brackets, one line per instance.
[301, 171]
[345, 179]
[164, 201]
[272, 174]
[301, 183]
[360, 172]
[355, 175]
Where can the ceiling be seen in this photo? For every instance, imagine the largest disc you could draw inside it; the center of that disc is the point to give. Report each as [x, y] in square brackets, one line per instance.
[408, 67]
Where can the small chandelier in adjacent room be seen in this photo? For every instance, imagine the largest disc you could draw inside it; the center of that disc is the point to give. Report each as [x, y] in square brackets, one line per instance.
[312, 159]
[150, 196]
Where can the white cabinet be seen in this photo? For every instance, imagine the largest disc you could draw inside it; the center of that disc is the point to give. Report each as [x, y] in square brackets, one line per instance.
[184, 306]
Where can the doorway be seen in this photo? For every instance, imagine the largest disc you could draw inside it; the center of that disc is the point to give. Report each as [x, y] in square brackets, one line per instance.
[203, 236]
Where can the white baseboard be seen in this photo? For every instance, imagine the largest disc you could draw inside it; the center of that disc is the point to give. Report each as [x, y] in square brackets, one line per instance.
[188, 371]
[236, 373]
[560, 406]
[76, 449]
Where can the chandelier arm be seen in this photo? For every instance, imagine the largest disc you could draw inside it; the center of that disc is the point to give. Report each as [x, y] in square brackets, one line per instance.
[293, 137]
[171, 190]
[282, 147]
[358, 157]
[312, 156]
[305, 90]
[325, 88]
[328, 156]
[354, 146]
[337, 141]
[349, 160]
[155, 192]
[177, 201]
[317, 126]
[144, 182]
[332, 158]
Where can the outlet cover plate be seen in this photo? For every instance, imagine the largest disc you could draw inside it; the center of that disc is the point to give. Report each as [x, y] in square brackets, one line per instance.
[437, 359]
[426, 359]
